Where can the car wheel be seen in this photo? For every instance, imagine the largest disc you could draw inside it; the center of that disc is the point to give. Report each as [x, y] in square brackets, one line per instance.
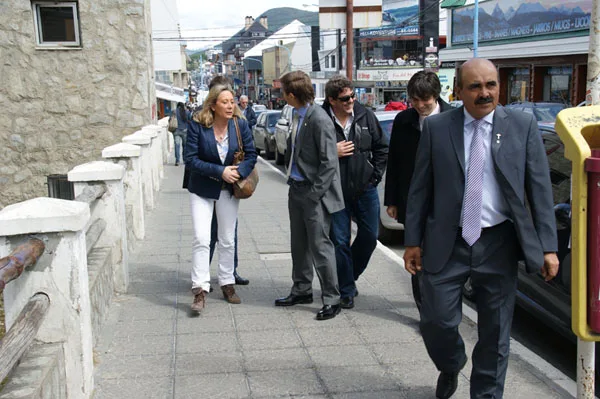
[268, 154]
[279, 158]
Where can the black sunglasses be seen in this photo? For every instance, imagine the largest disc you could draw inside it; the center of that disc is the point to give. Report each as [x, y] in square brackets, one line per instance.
[345, 99]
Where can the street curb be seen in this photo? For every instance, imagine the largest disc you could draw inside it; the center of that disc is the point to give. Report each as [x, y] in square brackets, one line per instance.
[543, 370]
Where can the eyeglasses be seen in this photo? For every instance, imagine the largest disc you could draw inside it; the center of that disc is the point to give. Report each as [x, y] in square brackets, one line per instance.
[345, 99]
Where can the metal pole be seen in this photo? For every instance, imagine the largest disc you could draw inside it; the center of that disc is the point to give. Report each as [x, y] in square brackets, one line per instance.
[476, 29]
[586, 353]
[349, 38]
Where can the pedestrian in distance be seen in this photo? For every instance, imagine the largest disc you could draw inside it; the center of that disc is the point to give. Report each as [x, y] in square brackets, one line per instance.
[479, 200]
[247, 111]
[212, 142]
[424, 94]
[362, 152]
[180, 134]
[315, 194]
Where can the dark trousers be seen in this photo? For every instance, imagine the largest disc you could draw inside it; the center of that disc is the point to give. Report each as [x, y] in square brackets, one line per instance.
[492, 264]
[311, 246]
[214, 228]
[352, 260]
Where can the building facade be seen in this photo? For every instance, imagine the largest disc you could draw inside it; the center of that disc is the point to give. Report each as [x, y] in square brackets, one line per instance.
[75, 78]
[540, 47]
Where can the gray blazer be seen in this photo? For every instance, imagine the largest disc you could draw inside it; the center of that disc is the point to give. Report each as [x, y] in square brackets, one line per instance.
[438, 184]
[316, 157]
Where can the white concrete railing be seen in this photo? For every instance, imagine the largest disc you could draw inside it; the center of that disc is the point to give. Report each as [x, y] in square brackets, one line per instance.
[118, 192]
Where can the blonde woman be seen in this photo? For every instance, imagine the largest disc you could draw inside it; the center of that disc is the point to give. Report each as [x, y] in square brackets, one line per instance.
[211, 143]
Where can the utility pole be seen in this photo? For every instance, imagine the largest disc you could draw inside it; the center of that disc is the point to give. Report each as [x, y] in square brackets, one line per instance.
[349, 38]
[586, 350]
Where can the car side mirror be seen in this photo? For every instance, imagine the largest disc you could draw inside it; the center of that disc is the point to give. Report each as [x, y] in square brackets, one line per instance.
[283, 122]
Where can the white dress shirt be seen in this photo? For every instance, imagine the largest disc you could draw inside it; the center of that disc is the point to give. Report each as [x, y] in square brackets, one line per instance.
[348, 122]
[494, 206]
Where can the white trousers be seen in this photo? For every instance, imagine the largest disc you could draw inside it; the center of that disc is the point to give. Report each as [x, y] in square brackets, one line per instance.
[226, 208]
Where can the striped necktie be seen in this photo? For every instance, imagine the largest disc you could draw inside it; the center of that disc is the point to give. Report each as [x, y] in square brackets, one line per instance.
[471, 230]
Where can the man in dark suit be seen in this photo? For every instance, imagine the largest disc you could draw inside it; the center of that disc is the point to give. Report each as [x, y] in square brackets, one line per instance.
[315, 193]
[424, 93]
[480, 199]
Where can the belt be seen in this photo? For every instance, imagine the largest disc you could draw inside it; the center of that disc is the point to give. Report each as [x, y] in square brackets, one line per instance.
[298, 183]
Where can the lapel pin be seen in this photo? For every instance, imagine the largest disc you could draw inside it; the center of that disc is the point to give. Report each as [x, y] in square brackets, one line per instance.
[498, 135]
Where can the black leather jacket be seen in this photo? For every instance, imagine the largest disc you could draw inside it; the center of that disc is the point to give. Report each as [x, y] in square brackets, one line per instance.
[367, 164]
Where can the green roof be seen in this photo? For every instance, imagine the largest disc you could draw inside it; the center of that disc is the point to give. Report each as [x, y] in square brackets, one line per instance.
[452, 3]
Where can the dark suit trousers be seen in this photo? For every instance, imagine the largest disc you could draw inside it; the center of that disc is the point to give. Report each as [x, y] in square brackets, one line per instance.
[492, 265]
[309, 225]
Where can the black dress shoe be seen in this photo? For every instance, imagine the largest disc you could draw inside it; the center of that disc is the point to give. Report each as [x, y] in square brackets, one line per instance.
[291, 300]
[239, 280]
[328, 312]
[347, 302]
[447, 383]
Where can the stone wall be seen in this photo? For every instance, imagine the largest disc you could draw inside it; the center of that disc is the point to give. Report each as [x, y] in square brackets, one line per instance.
[60, 108]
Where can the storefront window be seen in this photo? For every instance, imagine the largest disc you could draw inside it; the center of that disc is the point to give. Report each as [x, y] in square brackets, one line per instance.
[390, 54]
[518, 85]
[557, 85]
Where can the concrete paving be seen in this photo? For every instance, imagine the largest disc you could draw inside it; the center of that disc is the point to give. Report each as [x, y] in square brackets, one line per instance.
[152, 347]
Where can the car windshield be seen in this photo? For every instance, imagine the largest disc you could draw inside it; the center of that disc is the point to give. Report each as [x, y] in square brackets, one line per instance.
[273, 119]
[547, 112]
[387, 127]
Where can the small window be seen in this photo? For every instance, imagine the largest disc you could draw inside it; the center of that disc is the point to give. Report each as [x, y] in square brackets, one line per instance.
[327, 62]
[56, 23]
[333, 61]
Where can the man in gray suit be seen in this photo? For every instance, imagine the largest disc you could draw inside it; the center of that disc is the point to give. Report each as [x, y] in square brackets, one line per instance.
[315, 193]
[480, 199]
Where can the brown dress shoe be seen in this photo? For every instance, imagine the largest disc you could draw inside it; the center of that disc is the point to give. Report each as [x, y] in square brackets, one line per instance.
[199, 299]
[230, 295]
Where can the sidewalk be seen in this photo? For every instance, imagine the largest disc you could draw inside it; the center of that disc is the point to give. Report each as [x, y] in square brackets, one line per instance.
[152, 348]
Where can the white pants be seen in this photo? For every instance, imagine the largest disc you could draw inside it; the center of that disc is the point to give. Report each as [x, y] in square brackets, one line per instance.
[202, 212]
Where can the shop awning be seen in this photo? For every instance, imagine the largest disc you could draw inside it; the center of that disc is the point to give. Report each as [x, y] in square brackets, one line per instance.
[165, 95]
[452, 3]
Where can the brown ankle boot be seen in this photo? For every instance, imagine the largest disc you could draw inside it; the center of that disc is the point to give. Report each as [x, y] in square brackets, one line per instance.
[199, 299]
[230, 295]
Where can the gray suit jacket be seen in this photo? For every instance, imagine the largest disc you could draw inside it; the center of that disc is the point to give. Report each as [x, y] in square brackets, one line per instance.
[438, 184]
[316, 157]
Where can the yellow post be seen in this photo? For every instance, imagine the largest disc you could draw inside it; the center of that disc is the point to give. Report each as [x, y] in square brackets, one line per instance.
[579, 130]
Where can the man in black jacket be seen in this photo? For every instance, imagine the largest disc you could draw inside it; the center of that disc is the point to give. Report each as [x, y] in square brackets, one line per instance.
[424, 92]
[362, 151]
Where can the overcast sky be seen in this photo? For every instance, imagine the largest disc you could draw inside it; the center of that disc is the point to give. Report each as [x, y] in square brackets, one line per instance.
[214, 19]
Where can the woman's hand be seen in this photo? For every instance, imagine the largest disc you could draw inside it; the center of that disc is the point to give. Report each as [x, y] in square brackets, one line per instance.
[230, 174]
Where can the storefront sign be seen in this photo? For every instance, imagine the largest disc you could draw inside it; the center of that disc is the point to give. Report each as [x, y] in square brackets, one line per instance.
[446, 76]
[399, 18]
[511, 19]
[385, 74]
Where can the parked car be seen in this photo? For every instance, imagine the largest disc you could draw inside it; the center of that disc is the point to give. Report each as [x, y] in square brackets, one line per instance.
[282, 131]
[551, 301]
[264, 133]
[387, 225]
[545, 113]
[259, 108]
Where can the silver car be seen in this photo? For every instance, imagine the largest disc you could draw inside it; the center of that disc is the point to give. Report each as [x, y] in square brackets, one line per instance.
[387, 225]
[282, 131]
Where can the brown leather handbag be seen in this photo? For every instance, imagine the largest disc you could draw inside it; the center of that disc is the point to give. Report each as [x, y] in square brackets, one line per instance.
[243, 188]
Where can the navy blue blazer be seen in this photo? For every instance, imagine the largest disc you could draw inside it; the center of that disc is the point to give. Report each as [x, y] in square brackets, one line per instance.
[202, 157]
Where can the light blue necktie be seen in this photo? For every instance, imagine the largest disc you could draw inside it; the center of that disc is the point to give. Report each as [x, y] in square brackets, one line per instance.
[471, 230]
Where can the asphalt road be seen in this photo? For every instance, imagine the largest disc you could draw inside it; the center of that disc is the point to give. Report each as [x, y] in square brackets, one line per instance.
[529, 331]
